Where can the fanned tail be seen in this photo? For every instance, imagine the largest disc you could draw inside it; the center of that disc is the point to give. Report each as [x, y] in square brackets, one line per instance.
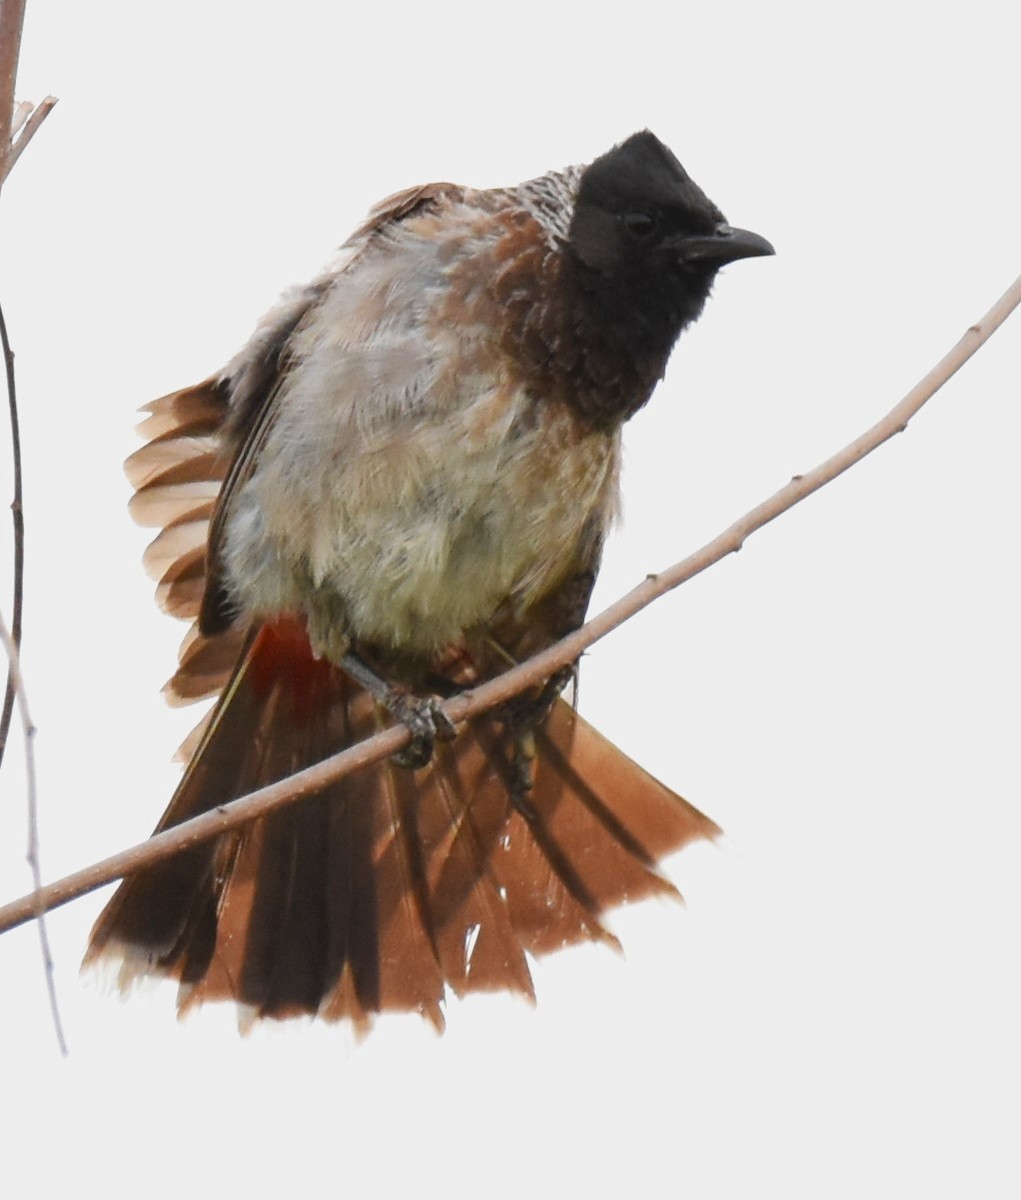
[388, 886]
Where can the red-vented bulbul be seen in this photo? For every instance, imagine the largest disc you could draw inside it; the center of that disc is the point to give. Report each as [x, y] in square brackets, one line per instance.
[400, 486]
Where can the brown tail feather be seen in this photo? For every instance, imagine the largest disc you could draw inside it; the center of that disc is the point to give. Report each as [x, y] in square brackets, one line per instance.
[387, 886]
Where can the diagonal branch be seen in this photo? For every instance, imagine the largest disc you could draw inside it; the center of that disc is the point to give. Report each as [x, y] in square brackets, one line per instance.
[535, 670]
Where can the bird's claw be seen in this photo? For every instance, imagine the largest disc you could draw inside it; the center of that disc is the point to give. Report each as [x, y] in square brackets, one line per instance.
[428, 724]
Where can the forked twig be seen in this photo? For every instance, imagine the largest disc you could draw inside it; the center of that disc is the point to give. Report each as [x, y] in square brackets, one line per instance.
[497, 691]
[23, 121]
[12, 19]
[28, 132]
[20, 119]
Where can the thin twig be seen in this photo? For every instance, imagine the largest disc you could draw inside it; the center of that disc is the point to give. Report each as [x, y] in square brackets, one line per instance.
[32, 853]
[477, 700]
[18, 517]
[23, 121]
[39, 114]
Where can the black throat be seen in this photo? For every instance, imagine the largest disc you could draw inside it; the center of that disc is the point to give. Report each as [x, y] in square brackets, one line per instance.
[621, 331]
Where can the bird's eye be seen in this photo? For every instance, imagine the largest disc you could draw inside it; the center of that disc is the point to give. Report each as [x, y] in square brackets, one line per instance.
[640, 223]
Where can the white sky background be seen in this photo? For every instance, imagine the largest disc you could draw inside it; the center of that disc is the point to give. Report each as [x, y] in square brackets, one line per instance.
[835, 1011]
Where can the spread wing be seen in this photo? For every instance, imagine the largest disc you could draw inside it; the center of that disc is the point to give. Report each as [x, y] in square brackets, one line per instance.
[202, 444]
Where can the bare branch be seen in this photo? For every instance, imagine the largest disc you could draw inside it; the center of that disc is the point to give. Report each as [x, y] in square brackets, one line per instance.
[33, 828]
[496, 691]
[21, 120]
[12, 19]
[18, 517]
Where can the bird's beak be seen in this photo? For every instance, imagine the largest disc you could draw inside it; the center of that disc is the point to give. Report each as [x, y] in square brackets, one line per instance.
[725, 244]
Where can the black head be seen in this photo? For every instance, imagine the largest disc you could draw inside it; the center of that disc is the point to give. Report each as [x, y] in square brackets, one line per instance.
[644, 236]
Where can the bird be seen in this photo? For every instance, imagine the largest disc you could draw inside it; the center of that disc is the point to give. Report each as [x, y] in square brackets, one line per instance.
[398, 488]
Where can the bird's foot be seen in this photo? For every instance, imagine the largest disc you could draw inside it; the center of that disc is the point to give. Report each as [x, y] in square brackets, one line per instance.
[422, 715]
[428, 724]
[532, 708]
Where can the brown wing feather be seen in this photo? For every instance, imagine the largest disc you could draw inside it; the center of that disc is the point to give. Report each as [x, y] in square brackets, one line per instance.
[203, 442]
[216, 612]
[402, 204]
[258, 372]
[178, 475]
[182, 538]
[182, 586]
[205, 665]
[189, 412]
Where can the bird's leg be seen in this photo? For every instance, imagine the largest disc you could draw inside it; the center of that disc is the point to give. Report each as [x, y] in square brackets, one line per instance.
[422, 715]
[522, 716]
[532, 708]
